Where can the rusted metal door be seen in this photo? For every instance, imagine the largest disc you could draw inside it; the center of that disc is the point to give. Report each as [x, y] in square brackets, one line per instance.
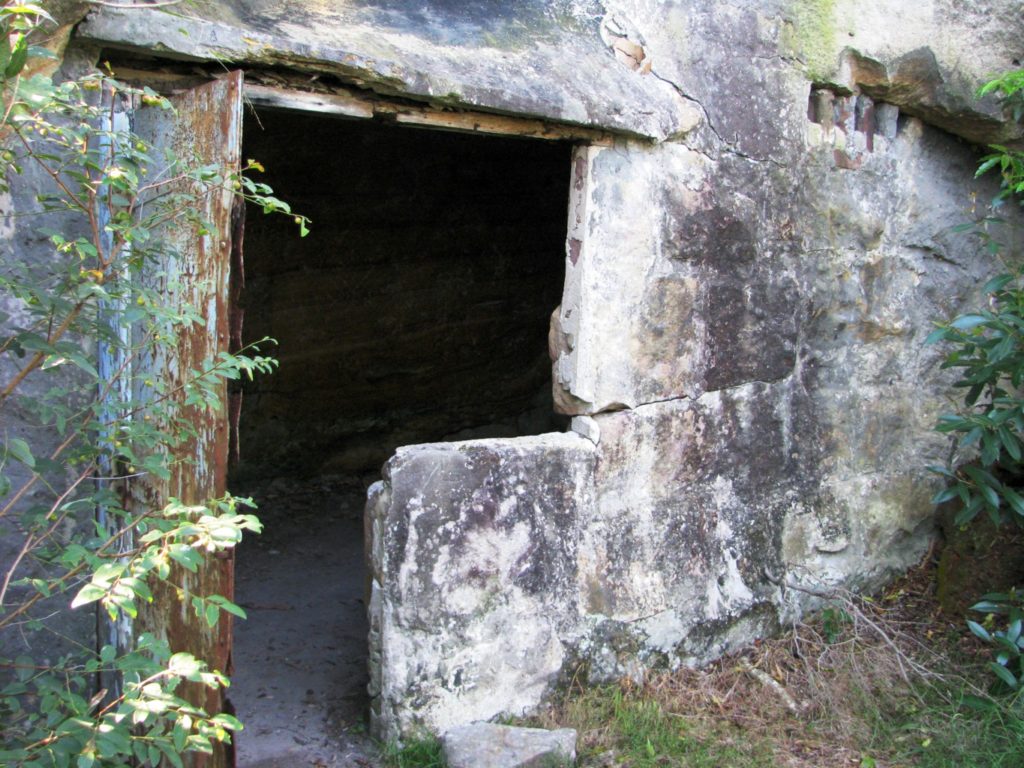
[205, 128]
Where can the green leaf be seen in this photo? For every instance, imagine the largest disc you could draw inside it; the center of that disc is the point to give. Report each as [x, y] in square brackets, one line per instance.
[980, 476]
[979, 631]
[171, 755]
[990, 448]
[184, 665]
[1005, 675]
[1013, 631]
[969, 512]
[979, 704]
[5, 50]
[22, 9]
[966, 322]
[226, 605]
[991, 497]
[1014, 499]
[18, 59]
[946, 494]
[226, 721]
[986, 165]
[39, 52]
[180, 735]
[1010, 443]
[90, 593]
[18, 449]
[997, 283]
[972, 437]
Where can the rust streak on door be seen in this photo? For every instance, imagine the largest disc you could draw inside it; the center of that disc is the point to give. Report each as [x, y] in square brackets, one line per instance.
[205, 128]
[236, 287]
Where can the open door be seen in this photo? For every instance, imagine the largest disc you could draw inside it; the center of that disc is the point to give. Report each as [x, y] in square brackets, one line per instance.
[205, 126]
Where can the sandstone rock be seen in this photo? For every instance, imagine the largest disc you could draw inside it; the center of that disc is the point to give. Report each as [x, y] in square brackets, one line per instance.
[473, 566]
[503, 746]
[461, 54]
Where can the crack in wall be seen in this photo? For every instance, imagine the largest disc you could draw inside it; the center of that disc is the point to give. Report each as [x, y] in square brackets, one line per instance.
[619, 407]
[724, 146]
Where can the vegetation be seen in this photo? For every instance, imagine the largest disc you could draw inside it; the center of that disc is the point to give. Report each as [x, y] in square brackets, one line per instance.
[870, 682]
[423, 752]
[88, 285]
[890, 685]
[986, 469]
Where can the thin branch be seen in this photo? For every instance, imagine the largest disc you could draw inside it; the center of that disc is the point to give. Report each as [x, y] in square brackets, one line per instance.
[49, 171]
[38, 357]
[31, 541]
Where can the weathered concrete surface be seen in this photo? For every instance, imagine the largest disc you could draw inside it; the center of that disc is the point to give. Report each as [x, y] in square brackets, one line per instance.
[22, 247]
[545, 59]
[673, 551]
[473, 550]
[505, 746]
[739, 338]
[928, 57]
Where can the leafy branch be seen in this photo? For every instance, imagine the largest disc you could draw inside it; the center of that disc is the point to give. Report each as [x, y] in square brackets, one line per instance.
[84, 539]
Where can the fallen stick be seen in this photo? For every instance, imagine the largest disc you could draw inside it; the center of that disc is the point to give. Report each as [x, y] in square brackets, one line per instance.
[770, 682]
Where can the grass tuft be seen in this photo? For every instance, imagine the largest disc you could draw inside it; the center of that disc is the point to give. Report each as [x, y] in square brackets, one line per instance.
[420, 752]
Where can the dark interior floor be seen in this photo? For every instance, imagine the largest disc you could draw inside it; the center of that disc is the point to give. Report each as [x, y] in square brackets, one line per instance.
[300, 657]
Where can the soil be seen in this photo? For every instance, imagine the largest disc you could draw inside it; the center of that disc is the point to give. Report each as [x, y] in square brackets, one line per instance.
[300, 673]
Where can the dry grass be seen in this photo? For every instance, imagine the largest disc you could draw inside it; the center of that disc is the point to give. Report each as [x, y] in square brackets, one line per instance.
[867, 682]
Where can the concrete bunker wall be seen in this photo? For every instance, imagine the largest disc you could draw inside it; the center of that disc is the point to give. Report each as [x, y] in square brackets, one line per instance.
[752, 402]
[739, 339]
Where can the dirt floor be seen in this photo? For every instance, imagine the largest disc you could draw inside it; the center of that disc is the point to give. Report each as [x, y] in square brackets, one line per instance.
[300, 658]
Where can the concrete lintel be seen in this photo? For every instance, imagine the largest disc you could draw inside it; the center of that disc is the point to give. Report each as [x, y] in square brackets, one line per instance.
[564, 73]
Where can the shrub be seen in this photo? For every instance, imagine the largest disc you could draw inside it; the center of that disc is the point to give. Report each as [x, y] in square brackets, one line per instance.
[988, 426]
[80, 322]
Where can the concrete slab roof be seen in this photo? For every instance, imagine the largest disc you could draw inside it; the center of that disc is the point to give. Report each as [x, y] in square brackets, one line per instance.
[542, 59]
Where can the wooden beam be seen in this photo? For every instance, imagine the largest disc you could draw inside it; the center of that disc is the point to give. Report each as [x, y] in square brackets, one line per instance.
[335, 103]
[501, 125]
[350, 104]
[346, 103]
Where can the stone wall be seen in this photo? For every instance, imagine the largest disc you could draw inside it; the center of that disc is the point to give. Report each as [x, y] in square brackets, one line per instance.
[751, 267]
[24, 244]
[741, 336]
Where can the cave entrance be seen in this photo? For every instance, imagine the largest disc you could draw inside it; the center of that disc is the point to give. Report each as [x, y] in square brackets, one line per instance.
[417, 310]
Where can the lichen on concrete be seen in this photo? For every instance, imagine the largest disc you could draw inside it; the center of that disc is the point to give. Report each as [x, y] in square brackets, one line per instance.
[813, 34]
